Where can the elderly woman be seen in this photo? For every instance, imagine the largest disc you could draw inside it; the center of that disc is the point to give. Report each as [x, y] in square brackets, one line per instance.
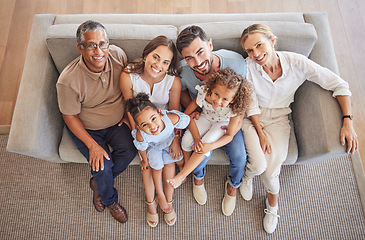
[276, 76]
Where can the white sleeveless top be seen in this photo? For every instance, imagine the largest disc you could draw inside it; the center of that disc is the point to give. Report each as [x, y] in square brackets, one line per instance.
[161, 90]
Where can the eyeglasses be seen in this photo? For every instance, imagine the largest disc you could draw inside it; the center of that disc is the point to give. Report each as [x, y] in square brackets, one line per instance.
[92, 46]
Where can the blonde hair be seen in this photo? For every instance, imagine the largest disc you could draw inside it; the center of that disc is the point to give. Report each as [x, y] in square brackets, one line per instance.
[256, 28]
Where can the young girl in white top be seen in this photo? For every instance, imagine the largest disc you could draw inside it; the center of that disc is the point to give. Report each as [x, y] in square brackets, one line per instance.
[276, 76]
[155, 74]
[153, 136]
[224, 97]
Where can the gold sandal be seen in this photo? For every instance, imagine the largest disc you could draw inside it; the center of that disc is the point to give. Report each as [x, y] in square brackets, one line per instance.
[170, 216]
[152, 218]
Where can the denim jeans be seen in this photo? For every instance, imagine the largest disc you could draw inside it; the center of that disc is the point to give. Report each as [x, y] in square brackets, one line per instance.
[121, 141]
[236, 152]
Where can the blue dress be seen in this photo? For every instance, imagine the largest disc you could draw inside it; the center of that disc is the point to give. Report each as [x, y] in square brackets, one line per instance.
[157, 146]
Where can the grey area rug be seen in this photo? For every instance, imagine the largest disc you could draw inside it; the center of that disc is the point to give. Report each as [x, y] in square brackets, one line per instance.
[43, 200]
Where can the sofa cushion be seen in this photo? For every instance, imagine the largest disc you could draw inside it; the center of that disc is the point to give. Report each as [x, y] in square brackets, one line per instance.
[132, 38]
[291, 36]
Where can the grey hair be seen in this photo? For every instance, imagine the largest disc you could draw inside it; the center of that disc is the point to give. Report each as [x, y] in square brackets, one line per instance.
[88, 26]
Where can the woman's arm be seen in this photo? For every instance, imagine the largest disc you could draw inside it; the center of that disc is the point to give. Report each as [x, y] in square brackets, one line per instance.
[347, 130]
[174, 95]
[264, 142]
[126, 87]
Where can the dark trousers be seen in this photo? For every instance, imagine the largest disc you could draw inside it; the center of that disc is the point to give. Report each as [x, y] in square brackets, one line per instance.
[121, 141]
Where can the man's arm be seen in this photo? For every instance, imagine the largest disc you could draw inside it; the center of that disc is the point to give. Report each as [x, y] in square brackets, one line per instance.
[96, 152]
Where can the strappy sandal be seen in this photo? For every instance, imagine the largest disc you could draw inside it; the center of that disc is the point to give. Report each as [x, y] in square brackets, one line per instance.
[170, 216]
[152, 218]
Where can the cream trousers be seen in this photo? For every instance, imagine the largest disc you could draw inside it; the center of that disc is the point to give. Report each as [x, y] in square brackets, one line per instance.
[276, 126]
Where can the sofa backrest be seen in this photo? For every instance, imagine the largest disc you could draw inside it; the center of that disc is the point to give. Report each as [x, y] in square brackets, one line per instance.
[292, 35]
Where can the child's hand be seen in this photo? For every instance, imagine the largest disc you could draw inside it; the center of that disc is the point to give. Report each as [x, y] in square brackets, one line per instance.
[198, 144]
[207, 147]
[144, 165]
[175, 150]
[195, 115]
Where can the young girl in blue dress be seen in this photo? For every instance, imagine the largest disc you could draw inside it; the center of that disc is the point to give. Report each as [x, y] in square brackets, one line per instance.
[153, 137]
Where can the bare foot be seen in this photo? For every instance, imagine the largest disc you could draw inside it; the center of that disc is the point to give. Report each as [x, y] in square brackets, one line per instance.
[175, 182]
[163, 203]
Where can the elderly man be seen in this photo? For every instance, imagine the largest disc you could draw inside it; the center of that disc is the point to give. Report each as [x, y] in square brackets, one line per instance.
[91, 104]
[200, 62]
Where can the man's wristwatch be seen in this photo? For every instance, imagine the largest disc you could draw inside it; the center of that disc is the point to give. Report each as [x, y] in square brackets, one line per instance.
[348, 116]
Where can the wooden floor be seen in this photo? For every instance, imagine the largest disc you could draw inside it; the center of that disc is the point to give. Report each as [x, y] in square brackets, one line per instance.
[346, 19]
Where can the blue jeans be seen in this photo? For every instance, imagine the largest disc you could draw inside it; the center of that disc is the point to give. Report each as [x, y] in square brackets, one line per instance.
[236, 152]
[121, 141]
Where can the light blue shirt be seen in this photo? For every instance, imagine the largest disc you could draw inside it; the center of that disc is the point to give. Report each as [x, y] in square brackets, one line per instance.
[227, 58]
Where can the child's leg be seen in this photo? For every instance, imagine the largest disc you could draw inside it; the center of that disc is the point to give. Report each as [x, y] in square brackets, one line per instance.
[168, 172]
[157, 180]
[193, 162]
[149, 188]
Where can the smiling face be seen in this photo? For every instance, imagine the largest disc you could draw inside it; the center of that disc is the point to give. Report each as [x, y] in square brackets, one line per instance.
[149, 120]
[158, 61]
[259, 48]
[221, 96]
[198, 56]
[95, 60]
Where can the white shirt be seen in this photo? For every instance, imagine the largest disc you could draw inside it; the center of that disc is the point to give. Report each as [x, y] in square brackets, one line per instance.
[160, 94]
[296, 68]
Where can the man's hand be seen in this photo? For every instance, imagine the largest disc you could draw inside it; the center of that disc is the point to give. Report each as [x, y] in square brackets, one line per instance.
[96, 157]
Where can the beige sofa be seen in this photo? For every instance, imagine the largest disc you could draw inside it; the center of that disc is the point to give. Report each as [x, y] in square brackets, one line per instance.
[37, 128]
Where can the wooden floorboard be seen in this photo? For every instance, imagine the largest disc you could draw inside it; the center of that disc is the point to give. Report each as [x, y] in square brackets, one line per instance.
[346, 19]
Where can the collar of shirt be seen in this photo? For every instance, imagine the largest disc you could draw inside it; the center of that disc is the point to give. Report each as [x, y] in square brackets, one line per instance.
[93, 75]
[284, 68]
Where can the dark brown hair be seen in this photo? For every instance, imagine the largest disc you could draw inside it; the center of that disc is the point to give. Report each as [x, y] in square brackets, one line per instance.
[138, 103]
[137, 65]
[188, 35]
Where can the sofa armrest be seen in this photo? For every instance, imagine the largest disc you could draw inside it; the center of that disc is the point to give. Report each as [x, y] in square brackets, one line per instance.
[316, 114]
[37, 123]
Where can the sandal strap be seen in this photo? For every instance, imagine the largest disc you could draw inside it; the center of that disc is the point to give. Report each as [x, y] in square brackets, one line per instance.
[151, 203]
[171, 201]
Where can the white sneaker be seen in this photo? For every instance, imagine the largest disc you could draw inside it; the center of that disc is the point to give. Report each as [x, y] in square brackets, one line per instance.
[246, 188]
[270, 221]
[200, 194]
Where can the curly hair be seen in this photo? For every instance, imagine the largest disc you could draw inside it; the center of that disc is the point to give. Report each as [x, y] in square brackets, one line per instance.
[229, 78]
[138, 103]
[137, 65]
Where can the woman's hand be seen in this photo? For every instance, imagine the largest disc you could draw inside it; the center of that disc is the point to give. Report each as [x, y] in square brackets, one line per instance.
[265, 144]
[349, 135]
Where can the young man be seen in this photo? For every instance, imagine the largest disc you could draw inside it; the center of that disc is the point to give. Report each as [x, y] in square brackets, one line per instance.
[200, 61]
[91, 103]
